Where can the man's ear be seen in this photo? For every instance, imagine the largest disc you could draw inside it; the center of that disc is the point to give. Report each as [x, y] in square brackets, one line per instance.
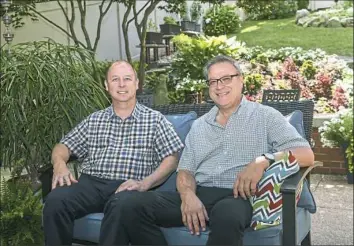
[106, 85]
[137, 84]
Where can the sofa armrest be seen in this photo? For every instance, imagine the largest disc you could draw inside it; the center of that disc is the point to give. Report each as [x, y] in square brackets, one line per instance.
[288, 190]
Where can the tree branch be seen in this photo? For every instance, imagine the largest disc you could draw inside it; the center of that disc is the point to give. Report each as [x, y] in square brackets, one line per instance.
[99, 24]
[83, 23]
[138, 12]
[125, 26]
[56, 25]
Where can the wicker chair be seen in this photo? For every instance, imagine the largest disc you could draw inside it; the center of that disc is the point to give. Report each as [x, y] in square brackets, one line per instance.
[280, 95]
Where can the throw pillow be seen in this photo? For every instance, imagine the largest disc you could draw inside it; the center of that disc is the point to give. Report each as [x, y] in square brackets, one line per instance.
[182, 123]
[267, 201]
[296, 120]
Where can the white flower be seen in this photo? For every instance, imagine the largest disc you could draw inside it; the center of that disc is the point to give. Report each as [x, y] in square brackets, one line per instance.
[341, 129]
[207, 21]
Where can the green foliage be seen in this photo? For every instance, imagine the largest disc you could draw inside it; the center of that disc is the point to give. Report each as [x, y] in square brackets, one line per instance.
[338, 132]
[20, 216]
[46, 89]
[303, 4]
[253, 83]
[350, 154]
[169, 20]
[272, 9]
[151, 26]
[196, 11]
[308, 69]
[194, 53]
[221, 20]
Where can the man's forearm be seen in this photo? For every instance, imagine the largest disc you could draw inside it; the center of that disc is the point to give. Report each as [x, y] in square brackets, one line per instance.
[167, 166]
[303, 155]
[185, 182]
[60, 154]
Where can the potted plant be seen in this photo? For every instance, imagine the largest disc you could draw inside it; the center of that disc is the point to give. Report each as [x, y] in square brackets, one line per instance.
[186, 23]
[152, 35]
[170, 26]
[196, 13]
[338, 132]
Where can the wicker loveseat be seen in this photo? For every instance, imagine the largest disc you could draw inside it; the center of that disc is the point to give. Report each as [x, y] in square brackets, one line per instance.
[294, 230]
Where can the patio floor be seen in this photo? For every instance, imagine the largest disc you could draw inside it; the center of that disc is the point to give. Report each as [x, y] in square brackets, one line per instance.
[332, 224]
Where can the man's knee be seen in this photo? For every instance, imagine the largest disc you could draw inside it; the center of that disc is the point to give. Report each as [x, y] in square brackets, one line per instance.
[55, 201]
[232, 212]
[127, 202]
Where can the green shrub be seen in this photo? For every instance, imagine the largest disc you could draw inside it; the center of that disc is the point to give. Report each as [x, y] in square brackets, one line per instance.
[303, 4]
[253, 83]
[21, 214]
[169, 20]
[272, 9]
[308, 69]
[196, 11]
[194, 53]
[46, 89]
[221, 20]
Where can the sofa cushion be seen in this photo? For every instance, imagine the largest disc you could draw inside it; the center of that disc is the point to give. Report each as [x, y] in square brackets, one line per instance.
[267, 201]
[182, 123]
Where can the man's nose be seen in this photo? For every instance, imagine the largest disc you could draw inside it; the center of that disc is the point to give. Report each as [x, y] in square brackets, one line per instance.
[219, 84]
[121, 83]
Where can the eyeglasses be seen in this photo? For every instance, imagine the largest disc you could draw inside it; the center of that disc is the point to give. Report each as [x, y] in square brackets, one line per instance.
[224, 80]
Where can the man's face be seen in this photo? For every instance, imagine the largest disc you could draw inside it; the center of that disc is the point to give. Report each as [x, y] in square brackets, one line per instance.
[227, 94]
[121, 82]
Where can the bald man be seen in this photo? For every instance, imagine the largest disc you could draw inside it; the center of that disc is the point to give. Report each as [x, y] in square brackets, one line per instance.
[123, 149]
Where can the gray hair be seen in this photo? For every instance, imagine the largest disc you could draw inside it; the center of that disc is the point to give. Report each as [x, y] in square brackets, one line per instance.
[221, 59]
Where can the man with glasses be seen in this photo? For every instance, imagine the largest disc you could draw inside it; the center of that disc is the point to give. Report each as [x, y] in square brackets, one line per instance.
[225, 155]
[124, 148]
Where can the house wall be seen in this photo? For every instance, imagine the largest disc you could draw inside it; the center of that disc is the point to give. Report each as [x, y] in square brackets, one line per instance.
[111, 45]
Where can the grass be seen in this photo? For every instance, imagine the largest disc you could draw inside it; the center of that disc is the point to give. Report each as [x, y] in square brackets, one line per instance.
[285, 33]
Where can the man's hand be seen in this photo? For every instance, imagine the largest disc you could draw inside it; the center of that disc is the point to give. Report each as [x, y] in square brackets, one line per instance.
[247, 180]
[194, 213]
[131, 184]
[61, 175]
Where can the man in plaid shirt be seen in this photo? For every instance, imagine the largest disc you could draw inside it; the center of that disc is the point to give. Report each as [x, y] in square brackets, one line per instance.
[124, 148]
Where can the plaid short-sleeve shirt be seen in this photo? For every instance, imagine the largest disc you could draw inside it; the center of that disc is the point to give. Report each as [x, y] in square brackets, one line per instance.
[117, 149]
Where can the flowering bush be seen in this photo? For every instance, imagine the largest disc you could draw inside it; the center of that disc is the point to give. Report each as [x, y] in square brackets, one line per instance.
[221, 20]
[338, 131]
[187, 89]
[323, 78]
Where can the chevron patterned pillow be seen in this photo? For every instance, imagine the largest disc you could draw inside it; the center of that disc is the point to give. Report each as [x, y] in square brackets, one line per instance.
[267, 202]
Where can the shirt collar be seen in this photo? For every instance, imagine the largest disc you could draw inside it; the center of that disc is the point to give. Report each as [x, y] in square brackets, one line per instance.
[136, 114]
[211, 117]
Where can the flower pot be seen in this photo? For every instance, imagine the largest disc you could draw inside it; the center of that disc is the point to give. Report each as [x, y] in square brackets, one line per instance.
[197, 27]
[170, 29]
[153, 38]
[188, 25]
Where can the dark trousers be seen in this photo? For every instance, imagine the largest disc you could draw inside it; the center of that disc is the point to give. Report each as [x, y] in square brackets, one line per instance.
[142, 214]
[67, 203]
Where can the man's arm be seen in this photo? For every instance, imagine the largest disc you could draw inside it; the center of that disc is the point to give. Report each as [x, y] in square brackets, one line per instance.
[185, 182]
[60, 156]
[167, 166]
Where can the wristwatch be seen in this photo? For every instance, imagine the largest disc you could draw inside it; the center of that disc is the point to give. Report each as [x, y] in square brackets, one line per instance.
[270, 158]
